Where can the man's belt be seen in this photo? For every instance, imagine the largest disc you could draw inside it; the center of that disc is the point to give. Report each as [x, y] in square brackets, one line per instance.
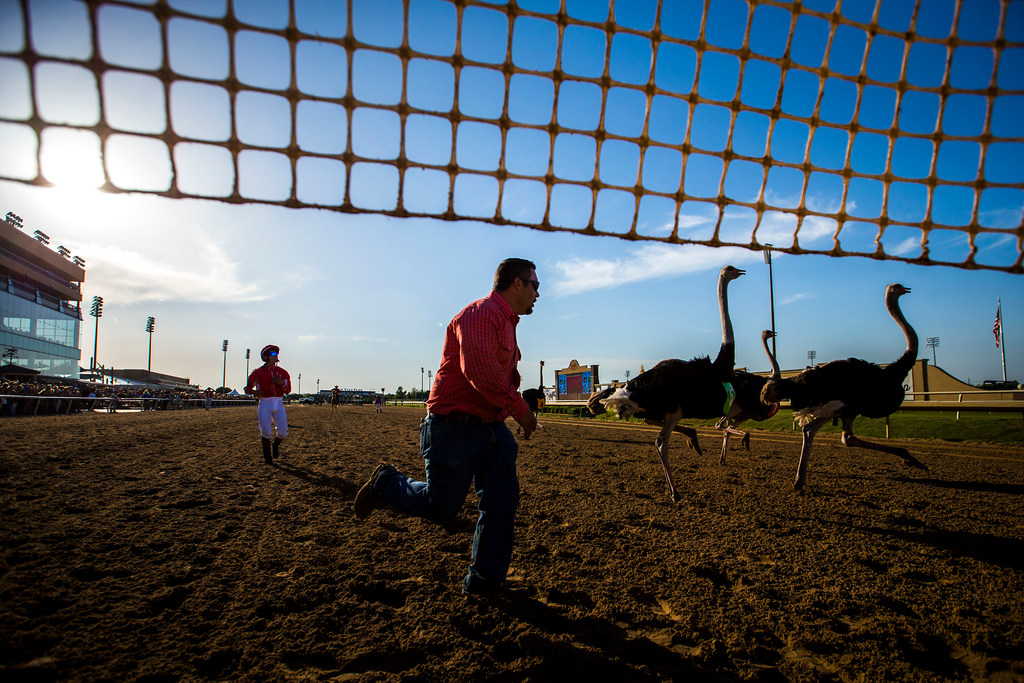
[460, 418]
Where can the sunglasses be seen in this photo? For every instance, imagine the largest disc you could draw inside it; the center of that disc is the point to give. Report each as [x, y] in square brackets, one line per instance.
[535, 283]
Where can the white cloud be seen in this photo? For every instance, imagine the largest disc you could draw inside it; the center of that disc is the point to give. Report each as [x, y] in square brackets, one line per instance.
[576, 275]
[188, 267]
[799, 296]
[319, 338]
[911, 245]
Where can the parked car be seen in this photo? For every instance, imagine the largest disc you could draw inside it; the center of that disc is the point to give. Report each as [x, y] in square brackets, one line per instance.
[1000, 385]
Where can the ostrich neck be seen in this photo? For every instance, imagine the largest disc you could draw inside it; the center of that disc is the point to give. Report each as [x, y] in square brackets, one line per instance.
[909, 357]
[776, 373]
[723, 309]
[727, 353]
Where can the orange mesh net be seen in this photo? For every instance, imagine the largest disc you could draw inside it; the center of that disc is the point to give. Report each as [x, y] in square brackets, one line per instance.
[819, 127]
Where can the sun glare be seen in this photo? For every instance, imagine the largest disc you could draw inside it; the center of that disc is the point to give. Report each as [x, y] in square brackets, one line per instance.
[71, 158]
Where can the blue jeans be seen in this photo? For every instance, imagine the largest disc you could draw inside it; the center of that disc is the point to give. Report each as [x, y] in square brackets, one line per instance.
[456, 455]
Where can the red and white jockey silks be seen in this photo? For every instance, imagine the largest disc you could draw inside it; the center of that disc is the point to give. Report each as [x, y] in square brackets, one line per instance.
[262, 380]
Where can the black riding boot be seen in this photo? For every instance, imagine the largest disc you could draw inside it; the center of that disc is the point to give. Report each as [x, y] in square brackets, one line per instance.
[277, 442]
[267, 458]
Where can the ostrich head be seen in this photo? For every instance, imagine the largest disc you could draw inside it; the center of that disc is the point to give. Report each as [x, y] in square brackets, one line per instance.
[895, 291]
[729, 273]
[766, 335]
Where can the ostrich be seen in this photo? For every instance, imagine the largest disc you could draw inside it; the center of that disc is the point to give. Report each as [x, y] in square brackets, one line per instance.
[748, 405]
[674, 389]
[844, 389]
[534, 399]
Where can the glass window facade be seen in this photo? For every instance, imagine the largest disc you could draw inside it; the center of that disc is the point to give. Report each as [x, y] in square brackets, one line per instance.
[44, 339]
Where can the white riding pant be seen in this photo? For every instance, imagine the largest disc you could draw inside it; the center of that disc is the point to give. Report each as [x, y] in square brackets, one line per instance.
[271, 410]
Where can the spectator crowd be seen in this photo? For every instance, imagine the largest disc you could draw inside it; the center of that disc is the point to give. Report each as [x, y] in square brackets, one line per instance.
[40, 398]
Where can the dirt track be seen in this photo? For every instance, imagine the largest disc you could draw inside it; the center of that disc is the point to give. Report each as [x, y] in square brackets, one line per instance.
[158, 547]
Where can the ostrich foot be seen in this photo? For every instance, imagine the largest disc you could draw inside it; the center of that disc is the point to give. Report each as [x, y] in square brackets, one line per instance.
[911, 461]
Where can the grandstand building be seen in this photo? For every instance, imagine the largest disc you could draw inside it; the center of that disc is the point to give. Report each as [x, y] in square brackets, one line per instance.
[40, 302]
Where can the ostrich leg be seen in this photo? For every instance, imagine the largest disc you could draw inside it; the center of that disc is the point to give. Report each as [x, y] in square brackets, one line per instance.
[852, 441]
[662, 444]
[689, 432]
[809, 431]
[691, 437]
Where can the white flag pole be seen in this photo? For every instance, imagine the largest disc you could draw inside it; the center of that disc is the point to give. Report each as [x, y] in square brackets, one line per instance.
[1002, 335]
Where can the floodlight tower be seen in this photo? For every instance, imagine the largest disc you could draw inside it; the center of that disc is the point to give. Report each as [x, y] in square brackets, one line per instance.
[224, 375]
[247, 364]
[811, 355]
[97, 312]
[150, 324]
[933, 343]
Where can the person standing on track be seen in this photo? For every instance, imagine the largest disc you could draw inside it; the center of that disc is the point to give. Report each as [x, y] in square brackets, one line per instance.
[335, 397]
[270, 384]
[463, 438]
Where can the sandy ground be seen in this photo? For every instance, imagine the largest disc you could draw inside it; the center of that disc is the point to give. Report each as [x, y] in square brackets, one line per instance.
[159, 547]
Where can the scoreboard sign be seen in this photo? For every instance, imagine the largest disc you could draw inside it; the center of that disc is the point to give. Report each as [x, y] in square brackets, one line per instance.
[576, 382]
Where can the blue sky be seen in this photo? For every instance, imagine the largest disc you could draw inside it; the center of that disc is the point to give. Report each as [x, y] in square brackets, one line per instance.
[362, 300]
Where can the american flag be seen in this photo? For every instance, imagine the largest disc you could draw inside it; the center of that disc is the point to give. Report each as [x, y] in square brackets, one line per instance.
[997, 325]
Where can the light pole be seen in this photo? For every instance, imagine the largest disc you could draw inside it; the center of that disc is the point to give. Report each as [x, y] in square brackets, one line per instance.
[299, 384]
[421, 380]
[811, 355]
[224, 375]
[771, 292]
[933, 343]
[541, 376]
[97, 312]
[247, 364]
[150, 324]
[318, 386]
[430, 382]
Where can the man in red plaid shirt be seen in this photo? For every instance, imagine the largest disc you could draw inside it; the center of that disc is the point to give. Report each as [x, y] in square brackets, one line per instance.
[463, 438]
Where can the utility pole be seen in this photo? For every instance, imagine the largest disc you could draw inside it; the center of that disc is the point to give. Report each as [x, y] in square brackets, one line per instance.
[811, 355]
[150, 324]
[771, 292]
[224, 375]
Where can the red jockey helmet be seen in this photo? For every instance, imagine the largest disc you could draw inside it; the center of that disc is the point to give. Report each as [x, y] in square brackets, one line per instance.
[267, 350]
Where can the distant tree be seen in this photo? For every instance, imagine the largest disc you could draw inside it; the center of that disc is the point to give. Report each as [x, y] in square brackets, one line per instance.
[399, 393]
[222, 390]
